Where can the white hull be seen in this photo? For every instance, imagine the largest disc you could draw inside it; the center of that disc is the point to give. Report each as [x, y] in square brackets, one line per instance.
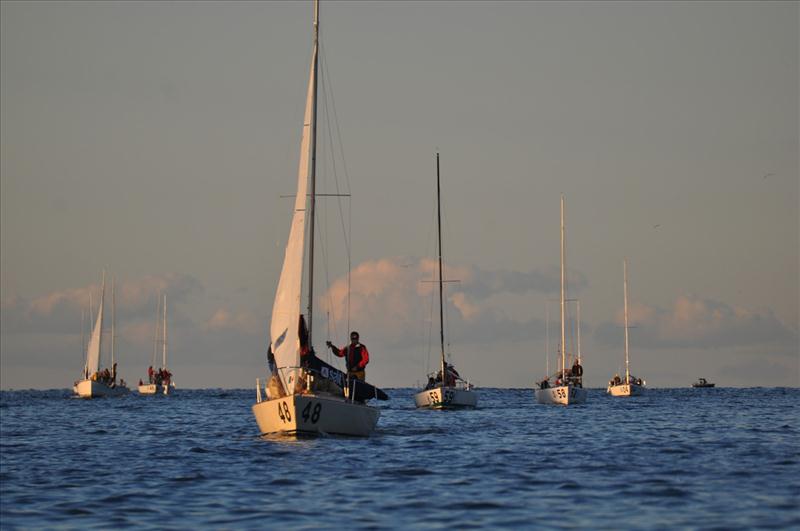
[562, 395]
[625, 390]
[313, 415]
[155, 389]
[94, 389]
[446, 398]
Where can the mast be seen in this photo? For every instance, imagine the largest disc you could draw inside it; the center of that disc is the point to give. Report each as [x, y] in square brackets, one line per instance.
[563, 324]
[100, 316]
[625, 291]
[547, 337]
[441, 282]
[312, 202]
[83, 339]
[155, 335]
[165, 332]
[578, 302]
[113, 320]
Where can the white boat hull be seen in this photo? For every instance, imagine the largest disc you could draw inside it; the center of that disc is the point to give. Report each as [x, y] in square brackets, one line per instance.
[561, 395]
[314, 415]
[446, 398]
[625, 390]
[155, 389]
[94, 389]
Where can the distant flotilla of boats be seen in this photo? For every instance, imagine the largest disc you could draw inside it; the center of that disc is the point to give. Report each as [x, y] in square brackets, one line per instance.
[303, 395]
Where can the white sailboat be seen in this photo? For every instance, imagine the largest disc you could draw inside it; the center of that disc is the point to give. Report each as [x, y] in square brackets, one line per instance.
[159, 382]
[450, 391]
[303, 394]
[630, 385]
[95, 382]
[566, 388]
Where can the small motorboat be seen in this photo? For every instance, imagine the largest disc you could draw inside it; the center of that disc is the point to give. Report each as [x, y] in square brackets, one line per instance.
[702, 382]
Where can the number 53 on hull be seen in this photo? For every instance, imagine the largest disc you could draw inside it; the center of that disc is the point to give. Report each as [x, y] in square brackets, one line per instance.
[312, 414]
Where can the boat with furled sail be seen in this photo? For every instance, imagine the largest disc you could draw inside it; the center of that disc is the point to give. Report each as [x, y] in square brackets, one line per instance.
[450, 391]
[159, 381]
[567, 387]
[305, 395]
[630, 385]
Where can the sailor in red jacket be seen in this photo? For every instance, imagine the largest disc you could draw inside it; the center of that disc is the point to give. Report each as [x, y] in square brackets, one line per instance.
[355, 356]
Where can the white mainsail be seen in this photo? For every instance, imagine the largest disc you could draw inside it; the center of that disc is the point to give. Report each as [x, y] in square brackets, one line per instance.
[93, 351]
[286, 308]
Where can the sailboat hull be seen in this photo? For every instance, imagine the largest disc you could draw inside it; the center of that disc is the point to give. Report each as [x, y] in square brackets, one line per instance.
[315, 415]
[155, 389]
[446, 398]
[625, 390]
[563, 395]
[94, 389]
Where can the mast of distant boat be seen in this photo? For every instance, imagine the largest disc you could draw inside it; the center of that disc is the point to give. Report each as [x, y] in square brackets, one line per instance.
[165, 333]
[113, 323]
[441, 280]
[563, 323]
[625, 290]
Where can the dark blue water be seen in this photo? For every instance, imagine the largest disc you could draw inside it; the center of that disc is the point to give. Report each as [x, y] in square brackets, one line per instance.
[676, 458]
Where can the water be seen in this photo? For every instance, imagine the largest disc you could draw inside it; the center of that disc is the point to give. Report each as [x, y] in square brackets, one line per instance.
[676, 458]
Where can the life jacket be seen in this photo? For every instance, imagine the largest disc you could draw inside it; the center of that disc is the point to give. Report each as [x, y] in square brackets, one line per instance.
[356, 358]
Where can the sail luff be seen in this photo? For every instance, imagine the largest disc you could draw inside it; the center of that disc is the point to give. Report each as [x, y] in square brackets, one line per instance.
[285, 342]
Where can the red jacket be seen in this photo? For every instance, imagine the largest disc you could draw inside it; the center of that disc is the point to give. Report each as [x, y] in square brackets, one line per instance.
[355, 357]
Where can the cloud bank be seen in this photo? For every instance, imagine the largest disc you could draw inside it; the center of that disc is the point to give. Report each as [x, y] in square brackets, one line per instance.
[693, 322]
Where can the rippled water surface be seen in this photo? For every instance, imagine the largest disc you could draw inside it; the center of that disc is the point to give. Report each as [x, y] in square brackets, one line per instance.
[689, 458]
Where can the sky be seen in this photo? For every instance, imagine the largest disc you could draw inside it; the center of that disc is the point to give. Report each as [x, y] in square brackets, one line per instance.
[159, 142]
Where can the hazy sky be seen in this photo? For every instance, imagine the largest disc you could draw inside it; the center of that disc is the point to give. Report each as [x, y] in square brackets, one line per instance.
[156, 139]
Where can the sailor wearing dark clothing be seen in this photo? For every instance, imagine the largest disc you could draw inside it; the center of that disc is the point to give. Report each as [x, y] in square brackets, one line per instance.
[356, 356]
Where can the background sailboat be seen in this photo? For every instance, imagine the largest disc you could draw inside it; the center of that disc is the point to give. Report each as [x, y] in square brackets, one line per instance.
[159, 381]
[630, 385]
[97, 382]
[304, 395]
[565, 389]
[445, 390]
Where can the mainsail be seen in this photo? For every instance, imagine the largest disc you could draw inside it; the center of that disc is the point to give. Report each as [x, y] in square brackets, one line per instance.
[93, 352]
[286, 309]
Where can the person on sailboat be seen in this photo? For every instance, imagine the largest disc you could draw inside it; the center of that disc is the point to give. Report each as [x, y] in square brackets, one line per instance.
[577, 373]
[356, 356]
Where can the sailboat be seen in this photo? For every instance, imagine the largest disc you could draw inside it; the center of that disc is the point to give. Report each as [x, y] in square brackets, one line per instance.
[567, 388]
[630, 385]
[159, 382]
[305, 395]
[95, 382]
[449, 391]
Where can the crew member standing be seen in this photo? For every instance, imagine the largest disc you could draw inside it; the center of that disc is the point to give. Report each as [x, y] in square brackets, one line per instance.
[355, 356]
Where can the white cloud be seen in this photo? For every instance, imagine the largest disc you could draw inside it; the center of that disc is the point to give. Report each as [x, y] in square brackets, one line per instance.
[697, 322]
[391, 299]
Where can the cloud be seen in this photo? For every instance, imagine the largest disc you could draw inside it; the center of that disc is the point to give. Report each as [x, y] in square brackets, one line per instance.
[393, 298]
[698, 323]
[241, 321]
[59, 312]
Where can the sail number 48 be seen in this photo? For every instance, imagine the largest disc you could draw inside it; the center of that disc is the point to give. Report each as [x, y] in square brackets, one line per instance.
[313, 415]
[308, 413]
